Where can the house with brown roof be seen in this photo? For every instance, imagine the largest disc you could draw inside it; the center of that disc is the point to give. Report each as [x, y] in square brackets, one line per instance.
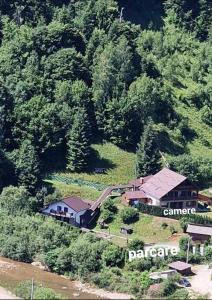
[167, 189]
[70, 209]
[181, 267]
[199, 232]
[134, 197]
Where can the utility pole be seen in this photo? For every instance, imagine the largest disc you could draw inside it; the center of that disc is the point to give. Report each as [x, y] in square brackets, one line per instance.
[121, 15]
[32, 290]
[187, 254]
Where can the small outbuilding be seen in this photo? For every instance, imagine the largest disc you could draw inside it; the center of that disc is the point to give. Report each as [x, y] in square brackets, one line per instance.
[199, 232]
[134, 197]
[181, 267]
[103, 224]
[126, 230]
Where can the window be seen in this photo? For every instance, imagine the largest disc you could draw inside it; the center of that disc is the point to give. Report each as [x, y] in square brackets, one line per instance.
[59, 208]
[65, 209]
[71, 214]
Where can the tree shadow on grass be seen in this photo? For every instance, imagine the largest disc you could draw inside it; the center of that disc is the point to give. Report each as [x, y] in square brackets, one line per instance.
[98, 164]
[169, 146]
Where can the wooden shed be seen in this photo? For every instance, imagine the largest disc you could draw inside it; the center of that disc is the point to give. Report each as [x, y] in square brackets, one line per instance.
[199, 232]
[181, 267]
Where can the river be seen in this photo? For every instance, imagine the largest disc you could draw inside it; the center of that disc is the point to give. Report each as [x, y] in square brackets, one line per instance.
[12, 273]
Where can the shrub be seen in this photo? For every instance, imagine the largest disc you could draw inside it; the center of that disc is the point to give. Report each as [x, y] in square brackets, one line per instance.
[136, 244]
[181, 294]
[129, 215]
[173, 230]
[145, 280]
[23, 290]
[168, 287]
[107, 215]
[109, 205]
[113, 256]
[164, 225]
[208, 254]
[183, 243]
[144, 264]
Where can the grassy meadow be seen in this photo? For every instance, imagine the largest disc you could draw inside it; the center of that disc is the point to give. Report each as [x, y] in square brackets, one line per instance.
[148, 228]
[119, 165]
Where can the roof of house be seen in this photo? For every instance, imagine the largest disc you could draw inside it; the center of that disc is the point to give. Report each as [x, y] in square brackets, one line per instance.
[76, 203]
[179, 265]
[199, 229]
[162, 182]
[135, 195]
[139, 181]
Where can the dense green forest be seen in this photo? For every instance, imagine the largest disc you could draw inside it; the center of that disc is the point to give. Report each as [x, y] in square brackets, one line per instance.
[73, 73]
[77, 72]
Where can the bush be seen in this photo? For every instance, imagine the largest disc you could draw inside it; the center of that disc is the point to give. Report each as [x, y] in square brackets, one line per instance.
[208, 254]
[168, 287]
[181, 294]
[164, 225]
[107, 215]
[109, 205]
[173, 230]
[113, 256]
[23, 290]
[129, 215]
[136, 244]
[140, 265]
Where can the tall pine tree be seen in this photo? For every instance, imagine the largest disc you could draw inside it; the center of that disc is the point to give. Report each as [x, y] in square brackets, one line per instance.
[79, 142]
[148, 156]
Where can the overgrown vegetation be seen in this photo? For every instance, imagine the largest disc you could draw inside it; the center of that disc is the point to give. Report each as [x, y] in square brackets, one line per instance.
[78, 82]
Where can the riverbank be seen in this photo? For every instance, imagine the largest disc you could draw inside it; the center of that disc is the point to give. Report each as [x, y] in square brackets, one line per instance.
[12, 273]
[102, 293]
[4, 294]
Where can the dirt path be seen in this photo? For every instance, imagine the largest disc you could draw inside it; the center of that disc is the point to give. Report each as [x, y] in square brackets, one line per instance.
[4, 294]
[201, 282]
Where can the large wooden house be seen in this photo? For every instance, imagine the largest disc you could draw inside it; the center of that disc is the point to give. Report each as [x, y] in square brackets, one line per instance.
[166, 189]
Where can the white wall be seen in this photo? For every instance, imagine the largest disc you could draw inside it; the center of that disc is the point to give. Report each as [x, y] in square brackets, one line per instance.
[155, 201]
[71, 213]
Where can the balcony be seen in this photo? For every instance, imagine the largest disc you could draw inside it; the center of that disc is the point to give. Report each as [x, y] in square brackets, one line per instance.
[59, 213]
[176, 198]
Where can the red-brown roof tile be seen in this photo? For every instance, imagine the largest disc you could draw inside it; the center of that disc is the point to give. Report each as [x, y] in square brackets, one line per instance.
[162, 182]
[135, 195]
[76, 203]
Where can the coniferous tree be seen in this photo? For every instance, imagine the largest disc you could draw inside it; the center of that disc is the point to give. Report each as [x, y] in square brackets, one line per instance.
[27, 167]
[79, 142]
[148, 156]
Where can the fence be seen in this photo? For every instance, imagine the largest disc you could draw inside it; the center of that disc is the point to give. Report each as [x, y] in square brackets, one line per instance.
[80, 182]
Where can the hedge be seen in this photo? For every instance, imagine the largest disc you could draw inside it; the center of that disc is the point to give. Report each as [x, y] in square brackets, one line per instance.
[159, 211]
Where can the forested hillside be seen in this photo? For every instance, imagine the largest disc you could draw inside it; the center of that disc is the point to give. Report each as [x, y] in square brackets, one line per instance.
[123, 85]
[78, 72]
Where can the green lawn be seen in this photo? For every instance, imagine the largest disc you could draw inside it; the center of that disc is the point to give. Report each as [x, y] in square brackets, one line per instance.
[119, 165]
[147, 228]
[83, 192]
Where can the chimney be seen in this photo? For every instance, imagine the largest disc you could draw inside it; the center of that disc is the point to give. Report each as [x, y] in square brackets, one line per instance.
[141, 180]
